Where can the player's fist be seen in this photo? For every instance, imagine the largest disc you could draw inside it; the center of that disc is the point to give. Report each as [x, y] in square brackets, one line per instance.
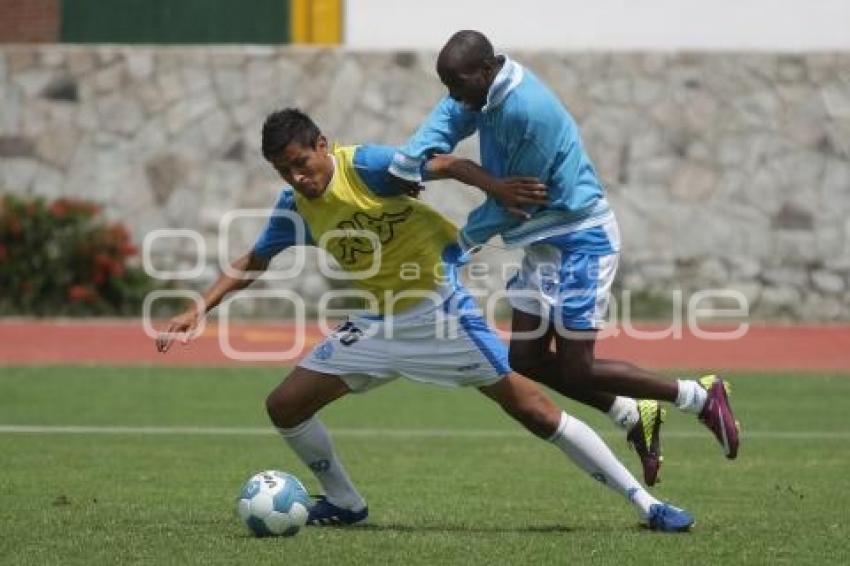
[409, 188]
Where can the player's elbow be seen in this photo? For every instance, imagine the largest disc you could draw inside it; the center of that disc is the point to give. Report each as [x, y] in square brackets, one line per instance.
[248, 268]
[251, 262]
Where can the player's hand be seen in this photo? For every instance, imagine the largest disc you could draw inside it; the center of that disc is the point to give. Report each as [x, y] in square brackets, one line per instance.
[409, 188]
[515, 192]
[183, 326]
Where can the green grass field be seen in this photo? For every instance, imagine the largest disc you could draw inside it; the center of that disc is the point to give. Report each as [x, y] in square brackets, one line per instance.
[490, 494]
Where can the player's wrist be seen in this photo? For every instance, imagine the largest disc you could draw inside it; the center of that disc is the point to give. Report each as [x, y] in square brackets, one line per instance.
[406, 168]
[492, 187]
[198, 310]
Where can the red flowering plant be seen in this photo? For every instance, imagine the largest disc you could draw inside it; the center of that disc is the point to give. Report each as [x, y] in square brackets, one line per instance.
[62, 258]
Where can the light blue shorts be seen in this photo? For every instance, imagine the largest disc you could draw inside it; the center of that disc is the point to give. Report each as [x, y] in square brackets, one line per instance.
[567, 279]
[441, 341]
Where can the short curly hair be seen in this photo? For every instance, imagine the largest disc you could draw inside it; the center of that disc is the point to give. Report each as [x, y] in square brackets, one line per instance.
[286, 126]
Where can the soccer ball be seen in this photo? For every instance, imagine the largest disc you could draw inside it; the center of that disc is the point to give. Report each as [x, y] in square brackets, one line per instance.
[273, 503]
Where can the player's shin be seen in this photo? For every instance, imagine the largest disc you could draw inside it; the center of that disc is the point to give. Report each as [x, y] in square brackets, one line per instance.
[312, 443]
[584, 447]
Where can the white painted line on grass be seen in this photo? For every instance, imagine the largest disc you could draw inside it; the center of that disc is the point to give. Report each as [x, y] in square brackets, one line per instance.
[377, 432]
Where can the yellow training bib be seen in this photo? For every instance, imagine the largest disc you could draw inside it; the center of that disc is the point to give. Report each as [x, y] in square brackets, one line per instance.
[397, 242]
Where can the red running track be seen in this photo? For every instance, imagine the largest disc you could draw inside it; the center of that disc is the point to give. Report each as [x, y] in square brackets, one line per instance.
[124, 342]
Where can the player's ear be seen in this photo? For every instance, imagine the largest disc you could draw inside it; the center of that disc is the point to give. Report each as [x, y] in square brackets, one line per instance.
[488, 69]
[322, 143]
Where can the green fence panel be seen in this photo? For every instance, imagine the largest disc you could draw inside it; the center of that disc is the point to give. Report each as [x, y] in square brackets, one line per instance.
[175, 21]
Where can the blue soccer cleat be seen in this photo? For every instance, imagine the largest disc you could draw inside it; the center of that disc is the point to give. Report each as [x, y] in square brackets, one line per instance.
[666, 518]
[323, 513]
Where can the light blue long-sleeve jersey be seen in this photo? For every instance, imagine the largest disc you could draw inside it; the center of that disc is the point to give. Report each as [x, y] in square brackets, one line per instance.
[524, 130]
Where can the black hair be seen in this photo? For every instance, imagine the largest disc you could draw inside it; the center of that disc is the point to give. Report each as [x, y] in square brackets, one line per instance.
[286, 126]
[466, 48]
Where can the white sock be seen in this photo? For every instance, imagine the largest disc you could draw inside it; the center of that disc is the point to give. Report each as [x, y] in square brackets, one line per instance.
[312, 443]
[624, 412]
[591, 454]
[691, 397]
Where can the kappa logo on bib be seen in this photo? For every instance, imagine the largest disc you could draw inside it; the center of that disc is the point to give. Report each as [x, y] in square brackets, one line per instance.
[383, 227]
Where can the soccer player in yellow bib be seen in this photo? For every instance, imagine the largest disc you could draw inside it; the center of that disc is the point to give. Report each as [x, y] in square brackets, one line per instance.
[424, 327]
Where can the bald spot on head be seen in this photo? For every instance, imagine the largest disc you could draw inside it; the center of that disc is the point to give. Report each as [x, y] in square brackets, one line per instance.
[466, 50]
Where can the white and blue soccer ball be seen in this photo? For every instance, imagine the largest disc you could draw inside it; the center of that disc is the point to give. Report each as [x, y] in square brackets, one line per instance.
[273, 503]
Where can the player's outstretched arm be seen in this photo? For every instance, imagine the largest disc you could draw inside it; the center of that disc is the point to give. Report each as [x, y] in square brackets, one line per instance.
[447, 125]
[512, 192]
[249, 267]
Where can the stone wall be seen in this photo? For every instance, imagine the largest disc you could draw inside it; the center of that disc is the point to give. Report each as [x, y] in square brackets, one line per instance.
[725, 170]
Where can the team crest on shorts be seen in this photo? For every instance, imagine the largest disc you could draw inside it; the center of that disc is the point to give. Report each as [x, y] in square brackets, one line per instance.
[324, 351]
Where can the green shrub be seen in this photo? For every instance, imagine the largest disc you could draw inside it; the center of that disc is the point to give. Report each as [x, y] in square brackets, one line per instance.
[63, 259]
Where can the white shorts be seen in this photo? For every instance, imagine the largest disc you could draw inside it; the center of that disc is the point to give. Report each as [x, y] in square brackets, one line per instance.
[568, 278]
[443, 342]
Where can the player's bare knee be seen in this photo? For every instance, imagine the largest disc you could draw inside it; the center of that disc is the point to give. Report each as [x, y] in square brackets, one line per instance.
[282, 412]
[274, 405]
